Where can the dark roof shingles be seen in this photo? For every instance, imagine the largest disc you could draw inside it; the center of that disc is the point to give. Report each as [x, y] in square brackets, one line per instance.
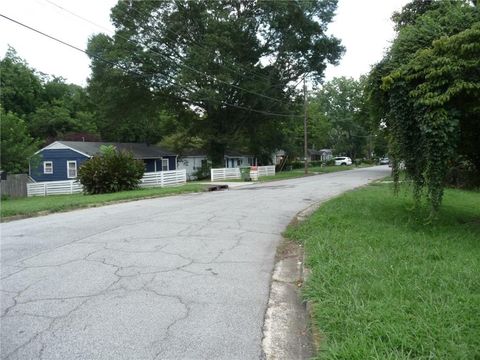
[139, 151]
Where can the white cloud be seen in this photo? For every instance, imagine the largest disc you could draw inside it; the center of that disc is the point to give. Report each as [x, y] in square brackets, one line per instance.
[366, 31]
[46, 55]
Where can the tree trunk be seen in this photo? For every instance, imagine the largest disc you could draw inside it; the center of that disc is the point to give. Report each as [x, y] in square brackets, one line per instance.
[216, 152]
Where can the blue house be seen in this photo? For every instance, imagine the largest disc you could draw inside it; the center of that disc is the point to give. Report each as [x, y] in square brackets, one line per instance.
[62, 159]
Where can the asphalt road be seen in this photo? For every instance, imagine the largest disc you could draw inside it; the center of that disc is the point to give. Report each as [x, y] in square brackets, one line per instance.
[184, 277]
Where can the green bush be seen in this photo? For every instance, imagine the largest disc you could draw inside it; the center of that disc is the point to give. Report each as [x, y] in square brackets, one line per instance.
[111, 171]
[330, 162]
[204, 171]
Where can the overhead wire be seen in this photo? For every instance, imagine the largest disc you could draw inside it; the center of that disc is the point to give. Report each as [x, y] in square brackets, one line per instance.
[203, 47]
[163, 55]
[141, 75]
[206, 48]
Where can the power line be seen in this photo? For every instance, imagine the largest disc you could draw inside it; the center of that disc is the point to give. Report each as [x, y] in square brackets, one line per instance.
[205, 48]
[187, 66]
[163, 55]
[77, 16]
[221, 65]
[141, 75]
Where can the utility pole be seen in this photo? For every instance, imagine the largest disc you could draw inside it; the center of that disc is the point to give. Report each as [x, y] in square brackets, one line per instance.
[305, 124]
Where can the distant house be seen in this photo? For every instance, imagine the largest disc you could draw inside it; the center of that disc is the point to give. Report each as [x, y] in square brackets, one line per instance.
[62, 159]
[320, 155]
[279, 156]
[193, 160]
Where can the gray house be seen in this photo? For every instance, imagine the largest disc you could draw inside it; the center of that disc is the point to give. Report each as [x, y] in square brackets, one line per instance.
[193, 160]
[320, 155]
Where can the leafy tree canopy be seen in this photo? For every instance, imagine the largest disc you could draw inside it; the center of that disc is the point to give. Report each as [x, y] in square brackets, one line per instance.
[341, 103]
[223, 59]
[38, 109]
[17, 146]
[21, 87]
[49, 106]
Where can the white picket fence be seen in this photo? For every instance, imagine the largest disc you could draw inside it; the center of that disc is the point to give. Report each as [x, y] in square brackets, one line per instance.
[164, 178]
[262, 171]
[224, 174]
[234, 173]
[153, 179]
[54, 188]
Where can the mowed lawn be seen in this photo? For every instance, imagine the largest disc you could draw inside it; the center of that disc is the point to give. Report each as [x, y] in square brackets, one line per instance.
[46, 204]
[297, 173]
[384, 285]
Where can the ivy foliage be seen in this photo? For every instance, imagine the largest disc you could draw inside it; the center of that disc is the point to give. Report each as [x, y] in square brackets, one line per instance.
[110, 171]
[427, 92]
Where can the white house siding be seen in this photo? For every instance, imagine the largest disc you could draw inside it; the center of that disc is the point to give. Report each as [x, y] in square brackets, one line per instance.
[191, 164]
[238, 161]
[194, 163]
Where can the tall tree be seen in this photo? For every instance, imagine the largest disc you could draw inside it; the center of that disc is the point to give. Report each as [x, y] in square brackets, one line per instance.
[50, 107]
[21, 87]
[233, 61]
[341, 101]
[64, 108]
[427, 92]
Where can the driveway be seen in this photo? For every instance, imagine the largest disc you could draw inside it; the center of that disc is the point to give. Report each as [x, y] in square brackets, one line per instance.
[184, 277]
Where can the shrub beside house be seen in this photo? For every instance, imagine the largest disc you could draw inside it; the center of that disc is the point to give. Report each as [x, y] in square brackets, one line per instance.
[62, 159]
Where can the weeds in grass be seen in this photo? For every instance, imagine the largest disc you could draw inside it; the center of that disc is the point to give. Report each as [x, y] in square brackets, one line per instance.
[386, 285]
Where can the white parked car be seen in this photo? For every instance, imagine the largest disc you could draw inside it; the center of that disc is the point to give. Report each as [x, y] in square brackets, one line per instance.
[343, 160]
[384, 161]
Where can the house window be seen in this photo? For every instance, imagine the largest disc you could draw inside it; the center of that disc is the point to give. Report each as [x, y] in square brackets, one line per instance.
[165, 165]
[48, 167]
[71, 169]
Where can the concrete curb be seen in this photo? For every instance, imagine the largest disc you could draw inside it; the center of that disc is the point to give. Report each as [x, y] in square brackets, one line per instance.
[306, 272]
[287, 331]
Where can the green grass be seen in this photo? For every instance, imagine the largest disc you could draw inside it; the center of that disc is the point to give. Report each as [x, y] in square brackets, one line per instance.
[296, 173]
[385, 285]
[311, 171]
[45, 204]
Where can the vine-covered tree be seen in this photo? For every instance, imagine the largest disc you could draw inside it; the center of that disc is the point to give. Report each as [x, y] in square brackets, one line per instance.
[232, 61]
[427, 91]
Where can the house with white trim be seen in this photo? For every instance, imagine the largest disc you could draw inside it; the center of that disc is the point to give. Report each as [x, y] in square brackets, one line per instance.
[193, 160]
[62, 159]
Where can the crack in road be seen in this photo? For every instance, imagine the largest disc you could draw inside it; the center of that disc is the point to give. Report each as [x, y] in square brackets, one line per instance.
[207, 259]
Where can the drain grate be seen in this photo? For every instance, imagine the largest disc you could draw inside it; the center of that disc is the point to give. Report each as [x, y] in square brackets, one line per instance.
[218, 187]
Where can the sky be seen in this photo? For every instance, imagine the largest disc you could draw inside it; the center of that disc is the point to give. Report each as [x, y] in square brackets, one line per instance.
[363, 26]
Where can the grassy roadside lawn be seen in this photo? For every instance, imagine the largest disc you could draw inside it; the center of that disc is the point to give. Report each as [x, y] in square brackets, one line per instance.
[386, 286]
[311, 171]
[301, 172]
[55, 203]
[296, 173]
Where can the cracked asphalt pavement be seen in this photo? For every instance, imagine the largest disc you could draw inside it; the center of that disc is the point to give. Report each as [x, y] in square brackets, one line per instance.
[184, 277]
